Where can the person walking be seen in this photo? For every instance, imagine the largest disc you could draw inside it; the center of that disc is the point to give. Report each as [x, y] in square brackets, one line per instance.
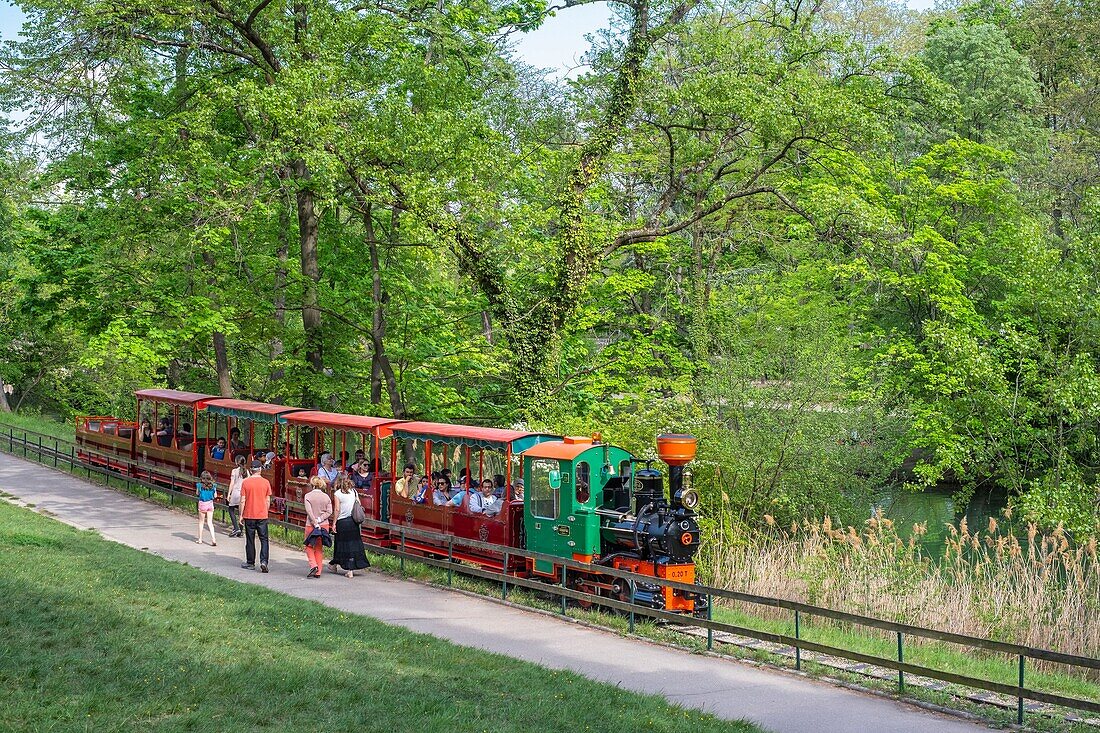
[207, 493]
[347, 553]
[318, 512]
[233, 499]
[255, 501]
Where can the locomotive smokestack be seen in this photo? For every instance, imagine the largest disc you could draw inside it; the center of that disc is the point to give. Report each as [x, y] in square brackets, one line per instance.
[676, 450]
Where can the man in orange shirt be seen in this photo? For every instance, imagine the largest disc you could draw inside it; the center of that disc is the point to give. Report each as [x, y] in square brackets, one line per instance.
[255, 499]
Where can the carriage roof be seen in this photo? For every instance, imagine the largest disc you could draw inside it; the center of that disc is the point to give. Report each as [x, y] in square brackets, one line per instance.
[500, 439]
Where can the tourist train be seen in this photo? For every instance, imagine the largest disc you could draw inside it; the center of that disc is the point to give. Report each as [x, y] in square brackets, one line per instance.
[575, 498]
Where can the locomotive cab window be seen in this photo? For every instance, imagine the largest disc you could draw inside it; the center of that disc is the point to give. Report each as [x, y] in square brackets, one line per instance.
[542, 495]
[584, 486]
[625, 473]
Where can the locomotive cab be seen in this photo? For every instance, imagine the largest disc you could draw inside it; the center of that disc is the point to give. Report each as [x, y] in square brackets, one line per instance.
[589, 502]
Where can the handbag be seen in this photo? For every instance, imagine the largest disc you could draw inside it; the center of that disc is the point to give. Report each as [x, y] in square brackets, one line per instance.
[358, 515]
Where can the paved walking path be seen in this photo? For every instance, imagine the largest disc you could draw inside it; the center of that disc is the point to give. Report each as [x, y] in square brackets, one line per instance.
[776, 700]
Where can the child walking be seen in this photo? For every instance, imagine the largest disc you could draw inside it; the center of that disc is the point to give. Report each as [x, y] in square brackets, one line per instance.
[208, 492]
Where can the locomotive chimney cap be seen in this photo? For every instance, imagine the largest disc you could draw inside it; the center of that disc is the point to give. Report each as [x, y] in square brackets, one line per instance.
[676, 449]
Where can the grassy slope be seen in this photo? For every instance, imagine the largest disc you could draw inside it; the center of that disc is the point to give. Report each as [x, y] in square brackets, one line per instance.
[102, 637]
[36, 423]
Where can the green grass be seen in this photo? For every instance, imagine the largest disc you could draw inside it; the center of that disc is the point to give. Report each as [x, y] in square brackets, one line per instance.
[101, 637]
[38, 423]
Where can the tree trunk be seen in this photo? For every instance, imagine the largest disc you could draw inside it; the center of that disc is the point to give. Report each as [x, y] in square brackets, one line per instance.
[487, 326]
[173, 374]
[700, 337]
[381, 369]
[221, 364]
[280, 291]
[4, 406]
[221, 354]
[311, 269]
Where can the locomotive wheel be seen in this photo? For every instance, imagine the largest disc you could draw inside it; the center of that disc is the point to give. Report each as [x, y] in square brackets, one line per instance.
[580, 584]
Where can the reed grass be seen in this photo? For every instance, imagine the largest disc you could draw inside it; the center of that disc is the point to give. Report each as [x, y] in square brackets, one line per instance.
[1036, 589]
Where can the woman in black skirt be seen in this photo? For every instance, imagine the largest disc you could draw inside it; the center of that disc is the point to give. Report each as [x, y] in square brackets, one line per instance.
[347, 553]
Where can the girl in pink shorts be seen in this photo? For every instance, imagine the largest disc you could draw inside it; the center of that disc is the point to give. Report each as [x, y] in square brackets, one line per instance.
[207, 492]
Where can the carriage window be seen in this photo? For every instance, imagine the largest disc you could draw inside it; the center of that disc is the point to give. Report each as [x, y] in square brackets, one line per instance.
[584, 486]
[543, 497]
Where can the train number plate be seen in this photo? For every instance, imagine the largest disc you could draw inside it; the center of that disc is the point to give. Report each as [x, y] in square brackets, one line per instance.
[562, 529]
[678, 574]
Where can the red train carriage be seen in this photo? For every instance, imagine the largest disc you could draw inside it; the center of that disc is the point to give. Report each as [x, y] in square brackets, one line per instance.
[258, 435]
[310, 433]
[159, 443]
[472, 454]
[106, 441]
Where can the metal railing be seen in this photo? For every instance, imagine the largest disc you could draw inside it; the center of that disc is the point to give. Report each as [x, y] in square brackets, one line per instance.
[46, 449]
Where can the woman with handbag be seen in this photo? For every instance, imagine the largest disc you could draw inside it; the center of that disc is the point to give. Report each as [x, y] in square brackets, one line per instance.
[233, 499]
[347, 552]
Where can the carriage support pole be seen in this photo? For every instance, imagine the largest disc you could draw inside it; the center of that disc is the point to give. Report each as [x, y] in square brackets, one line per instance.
[450, 559]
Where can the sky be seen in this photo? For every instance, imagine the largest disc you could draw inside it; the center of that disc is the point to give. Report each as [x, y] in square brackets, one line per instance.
[558, 44]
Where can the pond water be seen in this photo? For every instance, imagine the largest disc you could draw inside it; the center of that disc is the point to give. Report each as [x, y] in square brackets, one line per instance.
[937, 508]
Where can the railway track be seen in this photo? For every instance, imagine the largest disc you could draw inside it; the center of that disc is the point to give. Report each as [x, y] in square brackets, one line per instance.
[881, 674]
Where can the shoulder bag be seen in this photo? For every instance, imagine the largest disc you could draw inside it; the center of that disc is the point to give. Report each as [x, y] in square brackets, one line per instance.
[358, 515]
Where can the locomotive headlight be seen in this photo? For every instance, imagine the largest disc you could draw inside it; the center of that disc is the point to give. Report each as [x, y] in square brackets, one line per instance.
[689, 498]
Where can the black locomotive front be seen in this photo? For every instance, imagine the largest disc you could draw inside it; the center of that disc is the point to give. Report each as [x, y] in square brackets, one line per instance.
[656, 528]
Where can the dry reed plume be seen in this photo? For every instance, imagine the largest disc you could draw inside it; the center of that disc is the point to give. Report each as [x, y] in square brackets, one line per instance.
[1042, 591]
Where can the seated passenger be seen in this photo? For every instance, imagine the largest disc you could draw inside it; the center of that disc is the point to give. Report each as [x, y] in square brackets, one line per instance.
[517, 489]
[446, 474]
[185, 437]
[353, 467]
[145, 432]
[459, 495]
[301, 473]
[217, 451]
[235, 442]
[269, 459]
[442, 494]
[362, 478]
[406, 485]
[165, 433]
[328, 470]
[498, 486]
[421, 495]
[463, 478]
[484, 502]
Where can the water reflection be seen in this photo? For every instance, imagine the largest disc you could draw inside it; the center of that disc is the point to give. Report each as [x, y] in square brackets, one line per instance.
[936, 508]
